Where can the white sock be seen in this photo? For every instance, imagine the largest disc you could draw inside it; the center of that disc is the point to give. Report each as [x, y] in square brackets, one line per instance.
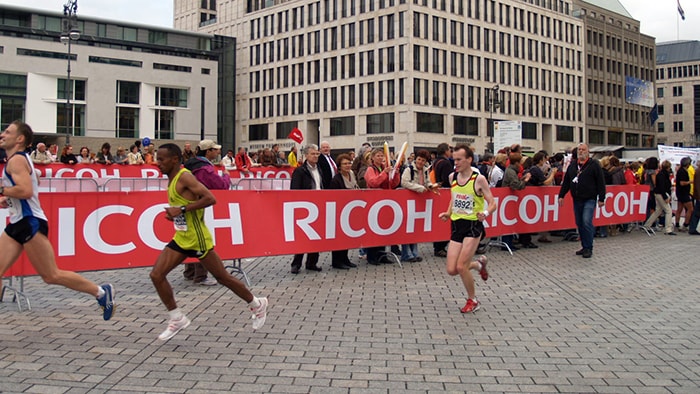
[176, 314]
[255, 303]
[100, 291]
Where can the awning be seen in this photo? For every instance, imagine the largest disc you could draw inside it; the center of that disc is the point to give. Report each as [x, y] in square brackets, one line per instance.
[606, 148]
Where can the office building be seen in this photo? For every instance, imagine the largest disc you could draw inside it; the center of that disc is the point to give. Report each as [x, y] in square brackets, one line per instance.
[678, 93]
[127, 81]
[422, 71]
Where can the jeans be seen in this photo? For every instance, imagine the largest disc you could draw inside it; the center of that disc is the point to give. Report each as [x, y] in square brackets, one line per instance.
[583, 212]
[409, 251]
[695, 218]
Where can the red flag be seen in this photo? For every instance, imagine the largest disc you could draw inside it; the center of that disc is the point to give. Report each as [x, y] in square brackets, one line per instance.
[296, 135]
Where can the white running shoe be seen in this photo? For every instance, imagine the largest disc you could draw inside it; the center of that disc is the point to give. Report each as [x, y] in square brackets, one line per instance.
[259, 314]
[174, 326]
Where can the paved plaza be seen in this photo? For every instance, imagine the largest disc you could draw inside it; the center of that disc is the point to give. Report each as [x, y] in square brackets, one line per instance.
[627, 320]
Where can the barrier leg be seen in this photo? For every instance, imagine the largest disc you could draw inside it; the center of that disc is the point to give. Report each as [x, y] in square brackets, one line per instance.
[17, 295]
[498, 242]
[236, 267]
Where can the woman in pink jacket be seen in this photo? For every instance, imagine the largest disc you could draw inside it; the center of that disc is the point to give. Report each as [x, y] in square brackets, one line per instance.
[378, 176]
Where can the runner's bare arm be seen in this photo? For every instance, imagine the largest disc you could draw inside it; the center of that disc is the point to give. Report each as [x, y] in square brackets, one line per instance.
[18, 168]
[194, 190]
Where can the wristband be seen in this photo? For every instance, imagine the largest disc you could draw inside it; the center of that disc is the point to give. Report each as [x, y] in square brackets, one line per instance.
[486, 213]
[183, 209]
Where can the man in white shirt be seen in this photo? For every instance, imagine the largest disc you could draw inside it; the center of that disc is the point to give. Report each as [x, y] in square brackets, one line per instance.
[327, 165]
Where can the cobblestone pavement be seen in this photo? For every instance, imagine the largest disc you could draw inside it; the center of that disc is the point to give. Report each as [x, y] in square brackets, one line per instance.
[627, 320]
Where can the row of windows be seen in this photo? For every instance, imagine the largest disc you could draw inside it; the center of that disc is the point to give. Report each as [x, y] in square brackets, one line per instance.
[438, 27]
[436, 61]
[677, 92]
[618, 68]
[597, 39]
[610, 113]
[605, 88]
[385, 124]
[427, 93]
[349, 97]
[678, 72]
[615, 138]
[294, 47]
[677, 127]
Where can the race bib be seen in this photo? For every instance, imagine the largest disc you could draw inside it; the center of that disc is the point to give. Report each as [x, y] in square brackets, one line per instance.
[180, 223]
[463, 204]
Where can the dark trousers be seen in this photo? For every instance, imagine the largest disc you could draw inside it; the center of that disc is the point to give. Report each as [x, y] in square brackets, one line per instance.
[375, 253]
[693, 225]
[439, 245]
[195, 271]
[339, 257]
[311, 260]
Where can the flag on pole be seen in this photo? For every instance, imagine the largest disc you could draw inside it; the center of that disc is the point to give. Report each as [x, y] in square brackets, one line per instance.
[680, 10]
[654, 114]
[296, 135]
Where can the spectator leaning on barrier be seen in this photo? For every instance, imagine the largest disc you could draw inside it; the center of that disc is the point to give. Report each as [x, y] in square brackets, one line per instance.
[357, 161]
[40, 155]
[120, 157]
[150, 156]
[134, 156]
[67, 156]
[512, 181]
[307, 177]
[105, 156]
[243, 162]
[343, 180]
[585, 180]
[415, 178]
[204, 170]
[84, 156]
[228, 160]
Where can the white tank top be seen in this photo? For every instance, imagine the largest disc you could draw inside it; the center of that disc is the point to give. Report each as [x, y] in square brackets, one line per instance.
[20, 208]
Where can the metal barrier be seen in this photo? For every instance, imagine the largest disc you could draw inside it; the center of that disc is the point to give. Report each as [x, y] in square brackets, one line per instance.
[55, 185]
[261, 184]
[135, 184]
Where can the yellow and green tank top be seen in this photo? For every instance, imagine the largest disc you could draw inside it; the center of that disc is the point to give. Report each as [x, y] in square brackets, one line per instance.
[191, 232]
[466, 203]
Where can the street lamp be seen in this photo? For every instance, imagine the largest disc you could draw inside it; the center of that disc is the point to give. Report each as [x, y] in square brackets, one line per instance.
[69, 33]
[494, 102]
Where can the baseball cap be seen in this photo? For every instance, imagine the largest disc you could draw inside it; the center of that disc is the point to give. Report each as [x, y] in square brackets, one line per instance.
[208, 144]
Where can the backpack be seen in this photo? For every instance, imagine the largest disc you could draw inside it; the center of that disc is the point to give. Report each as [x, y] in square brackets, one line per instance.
[413, 171]
[431, 174]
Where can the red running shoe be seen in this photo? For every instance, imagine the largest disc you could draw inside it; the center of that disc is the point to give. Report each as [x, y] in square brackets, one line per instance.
[471, 306]
[483, 272]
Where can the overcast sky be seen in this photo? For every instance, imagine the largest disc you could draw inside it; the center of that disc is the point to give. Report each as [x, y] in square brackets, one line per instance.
[658, 17]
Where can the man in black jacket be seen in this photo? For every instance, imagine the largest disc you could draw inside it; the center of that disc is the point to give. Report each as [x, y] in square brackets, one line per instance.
[326, 165]
[307, 177]
[586, 181]
[443, 167]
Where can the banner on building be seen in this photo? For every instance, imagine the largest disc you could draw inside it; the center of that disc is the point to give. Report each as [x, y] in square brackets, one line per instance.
[639, 92]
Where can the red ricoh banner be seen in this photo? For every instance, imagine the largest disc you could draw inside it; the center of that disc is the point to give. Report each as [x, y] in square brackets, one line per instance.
[108, 230]
[100, 171]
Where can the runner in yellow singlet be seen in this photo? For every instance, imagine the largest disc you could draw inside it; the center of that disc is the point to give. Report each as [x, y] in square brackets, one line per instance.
[188, 198]
[470, 204]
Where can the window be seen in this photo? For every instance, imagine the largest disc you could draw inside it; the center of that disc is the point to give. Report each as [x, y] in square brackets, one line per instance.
[677, 109]
[127, 122]
[677, 91]
[565, 133]
[257, 132]
[128, 92]
[466, 125]
[677, 126]
[430, 123]
[71, 120]
[529, 131]
[114, 61]
[615, 137]
[343, 126]
[284, 128]
[172, 67]
[13, 96]
[632, 140]
[660, 92]
[596, 137]
[171, 97]
[380, 124]
[660, 127]
[164, 124]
